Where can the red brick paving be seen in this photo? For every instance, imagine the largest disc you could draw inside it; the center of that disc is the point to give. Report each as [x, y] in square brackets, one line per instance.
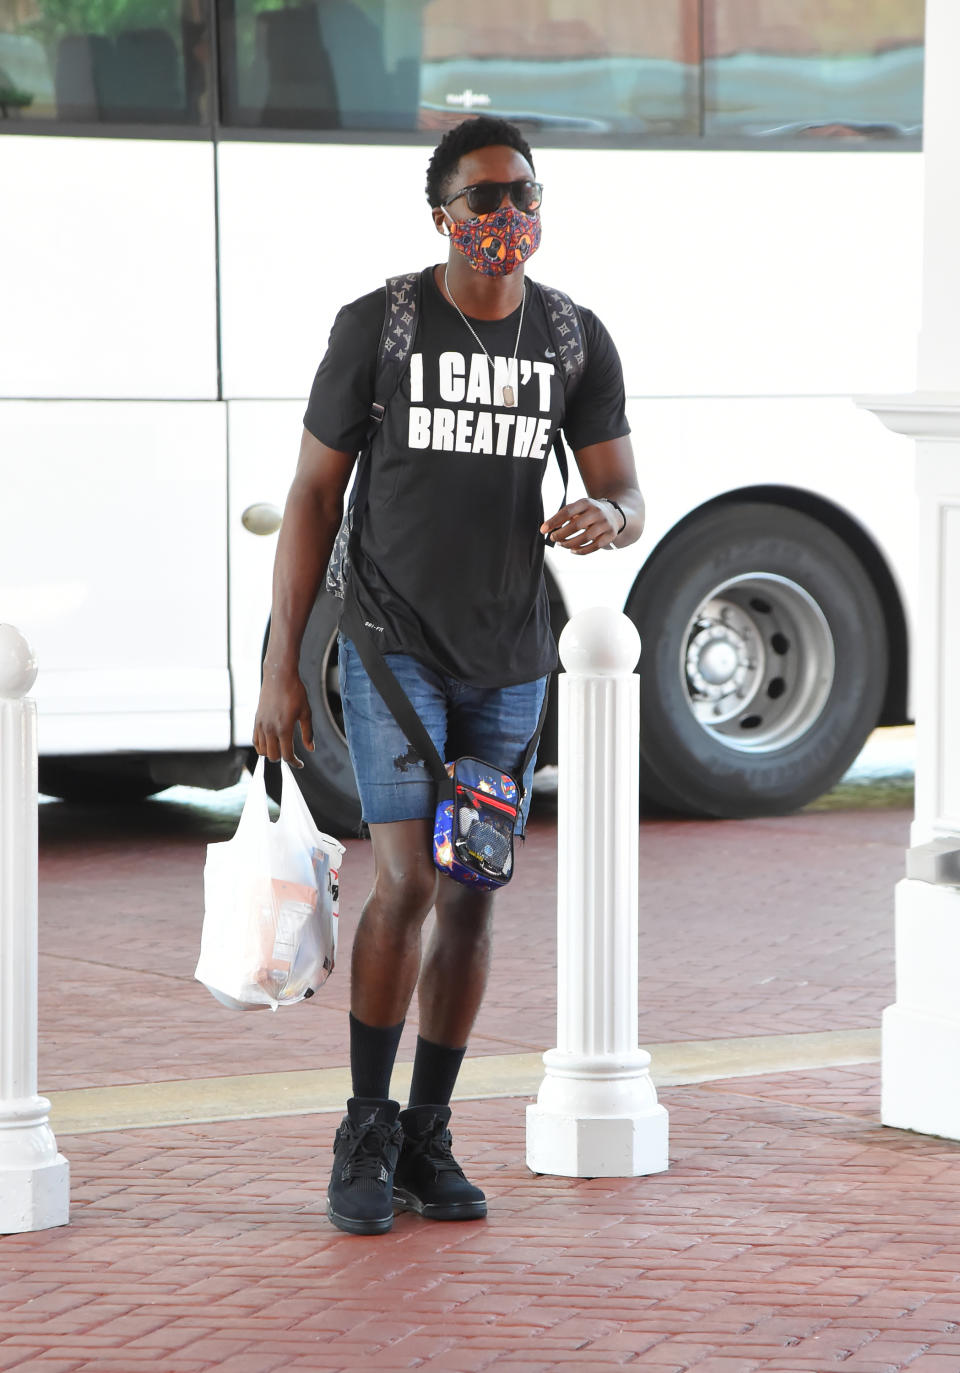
[788, 1234]
[791, 1233]
[741, 933]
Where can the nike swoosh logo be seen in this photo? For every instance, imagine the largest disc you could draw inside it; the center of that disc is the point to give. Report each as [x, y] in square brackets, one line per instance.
[549, 353]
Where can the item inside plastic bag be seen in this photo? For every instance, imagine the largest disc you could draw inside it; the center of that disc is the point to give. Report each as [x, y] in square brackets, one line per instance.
[271, 904]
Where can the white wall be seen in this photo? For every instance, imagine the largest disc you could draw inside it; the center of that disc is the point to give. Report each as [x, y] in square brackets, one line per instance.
[109, 269]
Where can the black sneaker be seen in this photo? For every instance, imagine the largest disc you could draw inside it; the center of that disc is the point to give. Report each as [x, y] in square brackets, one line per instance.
[360, 1195]
[429, 1180]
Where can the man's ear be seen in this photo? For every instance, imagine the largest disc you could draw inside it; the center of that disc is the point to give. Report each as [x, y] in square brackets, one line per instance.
[440, 221]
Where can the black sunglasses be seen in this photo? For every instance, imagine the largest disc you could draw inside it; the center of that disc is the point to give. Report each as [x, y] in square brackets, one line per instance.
[485, 196]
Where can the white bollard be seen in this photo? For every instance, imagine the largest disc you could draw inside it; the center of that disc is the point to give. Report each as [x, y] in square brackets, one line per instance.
[34, 1177]
[920, 1089]
[597, 1113]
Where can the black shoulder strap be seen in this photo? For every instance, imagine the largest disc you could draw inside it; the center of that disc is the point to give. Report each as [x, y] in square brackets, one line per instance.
[400, 707]
[394, 696]
[396, 343]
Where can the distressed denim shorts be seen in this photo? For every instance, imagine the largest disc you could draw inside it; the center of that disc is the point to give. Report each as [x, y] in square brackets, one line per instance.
[491, 723]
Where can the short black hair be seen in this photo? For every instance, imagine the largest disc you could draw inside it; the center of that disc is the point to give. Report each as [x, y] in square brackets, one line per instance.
[466, 137]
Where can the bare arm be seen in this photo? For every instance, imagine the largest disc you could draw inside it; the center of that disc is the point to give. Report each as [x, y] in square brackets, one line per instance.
[311, 519]
[588, 524]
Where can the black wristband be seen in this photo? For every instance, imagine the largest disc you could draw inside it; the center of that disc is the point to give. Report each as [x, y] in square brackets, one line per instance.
[608, 501]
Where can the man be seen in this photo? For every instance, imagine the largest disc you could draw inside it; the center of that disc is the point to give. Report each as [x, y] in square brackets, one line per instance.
[450, 550]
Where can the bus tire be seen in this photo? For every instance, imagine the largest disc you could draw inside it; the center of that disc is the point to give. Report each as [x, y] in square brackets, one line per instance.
[763, 666]
[326, 779]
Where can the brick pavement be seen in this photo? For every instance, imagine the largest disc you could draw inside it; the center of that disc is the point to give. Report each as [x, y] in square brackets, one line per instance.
[791, 1234]
[740, 934]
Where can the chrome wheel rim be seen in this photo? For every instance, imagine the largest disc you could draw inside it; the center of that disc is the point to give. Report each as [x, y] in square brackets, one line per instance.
[757, 662]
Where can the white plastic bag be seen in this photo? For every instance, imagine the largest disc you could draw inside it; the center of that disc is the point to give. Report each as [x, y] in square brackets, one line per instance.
[271, 902]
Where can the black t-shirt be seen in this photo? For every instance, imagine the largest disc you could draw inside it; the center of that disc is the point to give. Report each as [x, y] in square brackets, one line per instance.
[451, 555]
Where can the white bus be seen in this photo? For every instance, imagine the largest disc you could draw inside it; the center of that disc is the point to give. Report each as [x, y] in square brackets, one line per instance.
[191, 188]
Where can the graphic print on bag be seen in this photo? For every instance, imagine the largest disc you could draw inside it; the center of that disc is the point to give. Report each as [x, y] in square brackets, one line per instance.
[450, 551]
[473, 833]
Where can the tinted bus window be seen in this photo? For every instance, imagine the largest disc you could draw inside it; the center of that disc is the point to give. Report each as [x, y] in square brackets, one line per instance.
[813, 68]
[723, 69]
[616, 66]
[88, 61]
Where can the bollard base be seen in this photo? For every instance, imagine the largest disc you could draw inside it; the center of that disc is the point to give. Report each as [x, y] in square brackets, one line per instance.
[921, 1049]
[597, 1146]
[35, 1198]
[920, 1056]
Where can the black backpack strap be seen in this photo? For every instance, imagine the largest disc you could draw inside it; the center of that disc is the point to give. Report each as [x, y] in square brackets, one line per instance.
[393, 355]
[560, 452]
[568, 336]
[401, 308]
[570, 345]
[396, 338]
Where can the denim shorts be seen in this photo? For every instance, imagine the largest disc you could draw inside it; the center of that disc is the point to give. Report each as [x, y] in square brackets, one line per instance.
[491, 723]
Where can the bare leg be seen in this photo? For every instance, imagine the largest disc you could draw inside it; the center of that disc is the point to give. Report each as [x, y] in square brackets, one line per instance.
[454, 973]
[386, 948]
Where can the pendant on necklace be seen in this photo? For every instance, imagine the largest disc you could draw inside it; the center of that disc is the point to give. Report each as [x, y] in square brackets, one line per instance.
[509, 395]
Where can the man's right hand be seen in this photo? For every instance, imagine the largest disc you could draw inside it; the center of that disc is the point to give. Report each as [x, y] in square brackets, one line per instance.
[283, 704]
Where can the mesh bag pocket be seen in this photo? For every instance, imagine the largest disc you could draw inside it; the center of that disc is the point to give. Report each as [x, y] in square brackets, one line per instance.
[473, 834]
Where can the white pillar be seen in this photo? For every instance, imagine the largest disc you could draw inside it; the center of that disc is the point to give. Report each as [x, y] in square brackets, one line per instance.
[34, 1177]
[921, 1031]
[597, 1113]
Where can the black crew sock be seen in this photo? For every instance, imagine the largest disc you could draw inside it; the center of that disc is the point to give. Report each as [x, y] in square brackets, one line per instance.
[372, 1051]
[435, 1069]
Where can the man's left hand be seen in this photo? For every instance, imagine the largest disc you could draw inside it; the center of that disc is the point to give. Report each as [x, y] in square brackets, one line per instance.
[583, 526]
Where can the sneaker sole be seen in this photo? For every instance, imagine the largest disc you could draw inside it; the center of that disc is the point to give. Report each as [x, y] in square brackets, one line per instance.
[375, 1226]
[460, 1210]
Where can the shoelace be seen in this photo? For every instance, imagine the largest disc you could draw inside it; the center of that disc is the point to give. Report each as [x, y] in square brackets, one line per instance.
[437, 1148]
[367, 1146]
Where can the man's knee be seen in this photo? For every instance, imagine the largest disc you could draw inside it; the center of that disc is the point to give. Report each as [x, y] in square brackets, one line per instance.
[406, 889]
[406, 881]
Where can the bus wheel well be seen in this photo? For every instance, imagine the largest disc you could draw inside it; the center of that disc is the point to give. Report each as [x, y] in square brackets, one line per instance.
[859, 542]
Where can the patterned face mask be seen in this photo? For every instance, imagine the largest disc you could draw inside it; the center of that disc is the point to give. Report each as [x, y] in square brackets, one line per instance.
[497, 243]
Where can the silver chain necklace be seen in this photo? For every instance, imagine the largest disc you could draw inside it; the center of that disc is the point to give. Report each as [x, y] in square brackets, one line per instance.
[507, 395]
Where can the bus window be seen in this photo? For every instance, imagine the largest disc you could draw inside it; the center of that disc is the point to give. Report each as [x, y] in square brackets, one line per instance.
[717, 70]
[329, 65]
[627, 66]
[131, 62]
[813, 69]
[616, 66]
